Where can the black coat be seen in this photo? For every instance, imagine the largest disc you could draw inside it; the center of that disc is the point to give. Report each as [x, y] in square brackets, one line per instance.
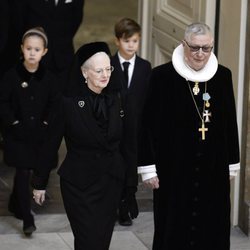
[192, 205]
[90, 153]
[4, 8]
[60, 23]
[11, 30]
[133, 99]
[31, 106]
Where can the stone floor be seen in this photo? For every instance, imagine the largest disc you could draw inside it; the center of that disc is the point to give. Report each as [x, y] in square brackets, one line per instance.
[54, 233]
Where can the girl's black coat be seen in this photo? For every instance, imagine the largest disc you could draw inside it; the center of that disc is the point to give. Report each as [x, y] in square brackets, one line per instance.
[31, 106]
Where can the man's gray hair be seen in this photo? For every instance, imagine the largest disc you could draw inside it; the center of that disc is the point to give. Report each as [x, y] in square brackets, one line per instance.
[197, 29]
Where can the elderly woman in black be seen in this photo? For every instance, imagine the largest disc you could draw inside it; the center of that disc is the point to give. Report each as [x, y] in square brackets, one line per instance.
[92, 173]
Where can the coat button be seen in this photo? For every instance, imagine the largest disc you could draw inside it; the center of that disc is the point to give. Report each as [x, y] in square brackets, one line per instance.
[197, 184]
[191, 243]
[32, 118]
[97, 155]
[194, 214]
[198, 154]
[32, 98]
[195, 199]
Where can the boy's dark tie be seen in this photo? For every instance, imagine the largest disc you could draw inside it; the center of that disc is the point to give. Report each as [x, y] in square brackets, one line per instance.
[125, 71]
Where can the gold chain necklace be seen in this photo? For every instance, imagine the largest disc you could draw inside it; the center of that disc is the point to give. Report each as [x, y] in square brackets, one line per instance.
[202, 129]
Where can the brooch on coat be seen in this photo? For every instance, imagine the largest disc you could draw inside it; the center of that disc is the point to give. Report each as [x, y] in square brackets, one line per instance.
[24, 84]
[81, 104]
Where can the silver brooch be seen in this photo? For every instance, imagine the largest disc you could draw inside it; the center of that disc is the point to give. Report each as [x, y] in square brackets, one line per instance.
[81, 104]
[24, 84]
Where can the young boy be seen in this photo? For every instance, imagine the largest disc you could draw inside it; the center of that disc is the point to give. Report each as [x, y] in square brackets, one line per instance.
[131, 73]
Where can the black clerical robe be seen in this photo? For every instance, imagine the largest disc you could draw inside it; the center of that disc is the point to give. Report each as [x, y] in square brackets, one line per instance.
[192, 205]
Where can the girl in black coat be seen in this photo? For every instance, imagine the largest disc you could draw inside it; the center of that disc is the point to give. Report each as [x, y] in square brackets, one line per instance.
[27, 97]
[60, 20]
[92, 173]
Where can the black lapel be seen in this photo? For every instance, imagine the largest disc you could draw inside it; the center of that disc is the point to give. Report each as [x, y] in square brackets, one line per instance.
[135, 76]
[52, 4]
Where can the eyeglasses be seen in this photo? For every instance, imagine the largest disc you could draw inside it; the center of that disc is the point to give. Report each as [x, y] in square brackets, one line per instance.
[108, 70]
[195, 49]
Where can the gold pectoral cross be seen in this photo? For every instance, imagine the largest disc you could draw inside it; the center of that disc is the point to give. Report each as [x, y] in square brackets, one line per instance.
[203, 130]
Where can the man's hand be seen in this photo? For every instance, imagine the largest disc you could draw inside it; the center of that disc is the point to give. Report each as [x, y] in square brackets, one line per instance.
[152, 182]
[39, 196]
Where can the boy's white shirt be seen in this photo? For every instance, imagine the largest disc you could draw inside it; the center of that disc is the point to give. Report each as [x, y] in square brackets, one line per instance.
[131, 66]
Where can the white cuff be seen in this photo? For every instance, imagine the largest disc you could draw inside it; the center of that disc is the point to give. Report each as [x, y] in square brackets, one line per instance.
[147, 172]
[233, 169]
[15, 122]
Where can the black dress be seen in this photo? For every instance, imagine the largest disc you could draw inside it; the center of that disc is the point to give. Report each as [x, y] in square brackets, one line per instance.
[92, 173]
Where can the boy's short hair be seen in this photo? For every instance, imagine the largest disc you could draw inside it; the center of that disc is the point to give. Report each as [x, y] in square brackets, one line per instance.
[126, 27]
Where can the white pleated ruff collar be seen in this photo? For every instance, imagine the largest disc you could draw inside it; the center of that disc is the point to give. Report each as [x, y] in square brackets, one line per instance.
[186, 72]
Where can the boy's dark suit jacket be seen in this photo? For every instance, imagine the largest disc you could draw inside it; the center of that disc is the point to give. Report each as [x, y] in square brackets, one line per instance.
[132, 101]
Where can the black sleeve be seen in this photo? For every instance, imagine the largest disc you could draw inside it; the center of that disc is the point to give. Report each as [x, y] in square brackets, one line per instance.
[48, 151]
[6, 91]
[54, 97]
[78, 15]
[231, 125]
[4, 24]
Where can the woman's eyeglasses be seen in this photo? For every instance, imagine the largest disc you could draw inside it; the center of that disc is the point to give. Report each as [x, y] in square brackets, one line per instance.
[108, 70]
[205, 49]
